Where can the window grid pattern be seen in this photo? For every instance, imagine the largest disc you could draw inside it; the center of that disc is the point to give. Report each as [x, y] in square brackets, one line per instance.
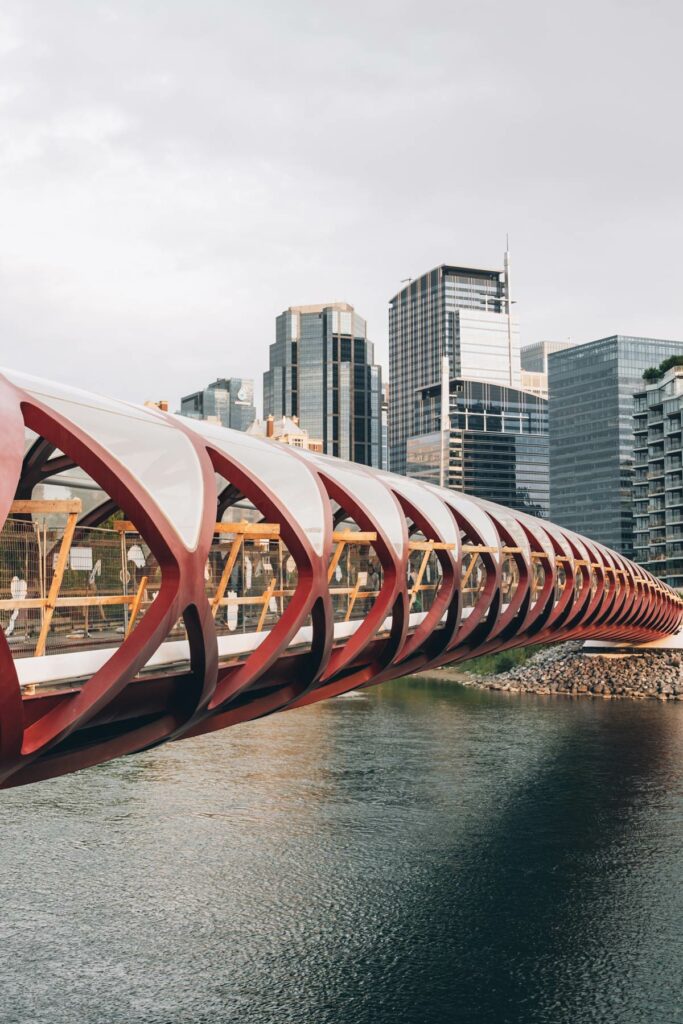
[449, 311]
[322, 371]
[591, 396]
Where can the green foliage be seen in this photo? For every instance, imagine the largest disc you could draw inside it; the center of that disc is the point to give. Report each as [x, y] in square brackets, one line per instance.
[654, 373]
[108, 524]
[494, 664]
[672, 361]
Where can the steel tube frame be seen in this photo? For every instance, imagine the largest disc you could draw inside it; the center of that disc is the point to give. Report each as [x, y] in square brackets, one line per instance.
[115, 711]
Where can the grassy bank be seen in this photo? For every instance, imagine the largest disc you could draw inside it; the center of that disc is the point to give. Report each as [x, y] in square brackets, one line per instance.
[494, 664]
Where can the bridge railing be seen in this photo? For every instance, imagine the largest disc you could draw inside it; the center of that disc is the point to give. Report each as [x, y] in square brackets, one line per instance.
[60, 583]
[67, 587]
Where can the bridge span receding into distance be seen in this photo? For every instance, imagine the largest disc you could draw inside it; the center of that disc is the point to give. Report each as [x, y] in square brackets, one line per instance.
[162, 577]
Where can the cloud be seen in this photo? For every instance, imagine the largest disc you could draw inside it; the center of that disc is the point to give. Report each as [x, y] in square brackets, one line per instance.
[172, 175]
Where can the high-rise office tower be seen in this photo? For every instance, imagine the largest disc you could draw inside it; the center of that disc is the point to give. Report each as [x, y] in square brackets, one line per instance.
[228, 401]
[458, 415]
[495, 446]
[591, 433]
[463, 314]
[322, 370]
[385, 426]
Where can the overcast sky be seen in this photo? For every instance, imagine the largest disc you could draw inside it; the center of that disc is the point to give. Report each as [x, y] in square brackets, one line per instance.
[174, 174]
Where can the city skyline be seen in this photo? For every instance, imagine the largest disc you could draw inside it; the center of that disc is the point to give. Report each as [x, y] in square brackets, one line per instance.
[146, 209]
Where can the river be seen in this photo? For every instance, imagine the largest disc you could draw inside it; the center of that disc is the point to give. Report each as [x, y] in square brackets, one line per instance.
[415, 854]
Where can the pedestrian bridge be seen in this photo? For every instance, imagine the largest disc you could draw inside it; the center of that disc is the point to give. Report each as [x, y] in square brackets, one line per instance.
[163, 577]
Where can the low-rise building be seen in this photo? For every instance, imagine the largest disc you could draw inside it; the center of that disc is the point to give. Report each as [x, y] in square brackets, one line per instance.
[535, 383]
[286, 430]
[534, 359]
[227, 401]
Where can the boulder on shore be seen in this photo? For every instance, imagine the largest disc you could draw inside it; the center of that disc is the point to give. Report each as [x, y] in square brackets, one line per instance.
[568, 669]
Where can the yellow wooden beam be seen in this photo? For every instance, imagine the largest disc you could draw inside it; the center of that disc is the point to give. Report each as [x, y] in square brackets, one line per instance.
[354, 537]
[57, 576]
[94, 602]
[334, 562]
[429, 545]
[226, 574]
[125, 526]
[418, 578]
[352, 599]
[24, 506]
[136, 605]
[266, 599]
[470, 569]
[264, 531]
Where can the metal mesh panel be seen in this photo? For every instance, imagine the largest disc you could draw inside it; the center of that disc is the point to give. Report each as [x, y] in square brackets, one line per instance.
[103, 574]
[355, 581]
[262, 577]
[424, 578]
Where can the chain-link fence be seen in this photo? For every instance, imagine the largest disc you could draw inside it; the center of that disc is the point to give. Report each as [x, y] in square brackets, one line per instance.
[65, 587]
[249, 580]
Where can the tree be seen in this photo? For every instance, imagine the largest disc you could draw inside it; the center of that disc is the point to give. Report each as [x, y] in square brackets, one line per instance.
[655, 373]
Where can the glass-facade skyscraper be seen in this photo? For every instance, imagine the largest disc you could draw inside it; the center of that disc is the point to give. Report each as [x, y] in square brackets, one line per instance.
[453, 340]
[458, 313]
[591, 434]
[497, 444]
[228, 401]
[322, 370]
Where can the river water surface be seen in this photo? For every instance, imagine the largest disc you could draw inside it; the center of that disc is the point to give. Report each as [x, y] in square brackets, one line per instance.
[417, 853]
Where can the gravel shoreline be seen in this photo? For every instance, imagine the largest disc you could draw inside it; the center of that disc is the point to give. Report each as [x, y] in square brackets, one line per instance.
[566, 670]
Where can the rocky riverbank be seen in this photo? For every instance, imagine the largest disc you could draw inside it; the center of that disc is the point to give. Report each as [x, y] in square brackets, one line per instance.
[567, 670]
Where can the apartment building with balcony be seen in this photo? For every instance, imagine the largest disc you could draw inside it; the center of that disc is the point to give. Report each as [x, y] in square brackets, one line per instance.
[591, 388]
[658, 476]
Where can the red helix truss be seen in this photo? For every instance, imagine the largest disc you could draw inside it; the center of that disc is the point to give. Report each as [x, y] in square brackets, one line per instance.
[173, 478]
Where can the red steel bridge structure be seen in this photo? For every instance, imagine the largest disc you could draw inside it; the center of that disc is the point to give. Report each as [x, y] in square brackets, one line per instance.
[162, 577]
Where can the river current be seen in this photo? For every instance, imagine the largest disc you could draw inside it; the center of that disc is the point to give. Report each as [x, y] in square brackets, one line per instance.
[415, 854]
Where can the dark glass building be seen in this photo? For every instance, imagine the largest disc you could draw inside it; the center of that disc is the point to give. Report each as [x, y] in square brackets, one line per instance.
[322, 370]
[228, 401]
[497, 444]
[462, 314]
[453, 340]
[591, 434]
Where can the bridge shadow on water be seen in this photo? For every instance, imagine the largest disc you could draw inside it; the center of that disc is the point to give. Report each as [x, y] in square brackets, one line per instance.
[418, 854]
[543, 914]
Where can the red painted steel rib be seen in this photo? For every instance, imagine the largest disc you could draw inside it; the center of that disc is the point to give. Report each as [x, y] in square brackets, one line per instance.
[116, 711]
